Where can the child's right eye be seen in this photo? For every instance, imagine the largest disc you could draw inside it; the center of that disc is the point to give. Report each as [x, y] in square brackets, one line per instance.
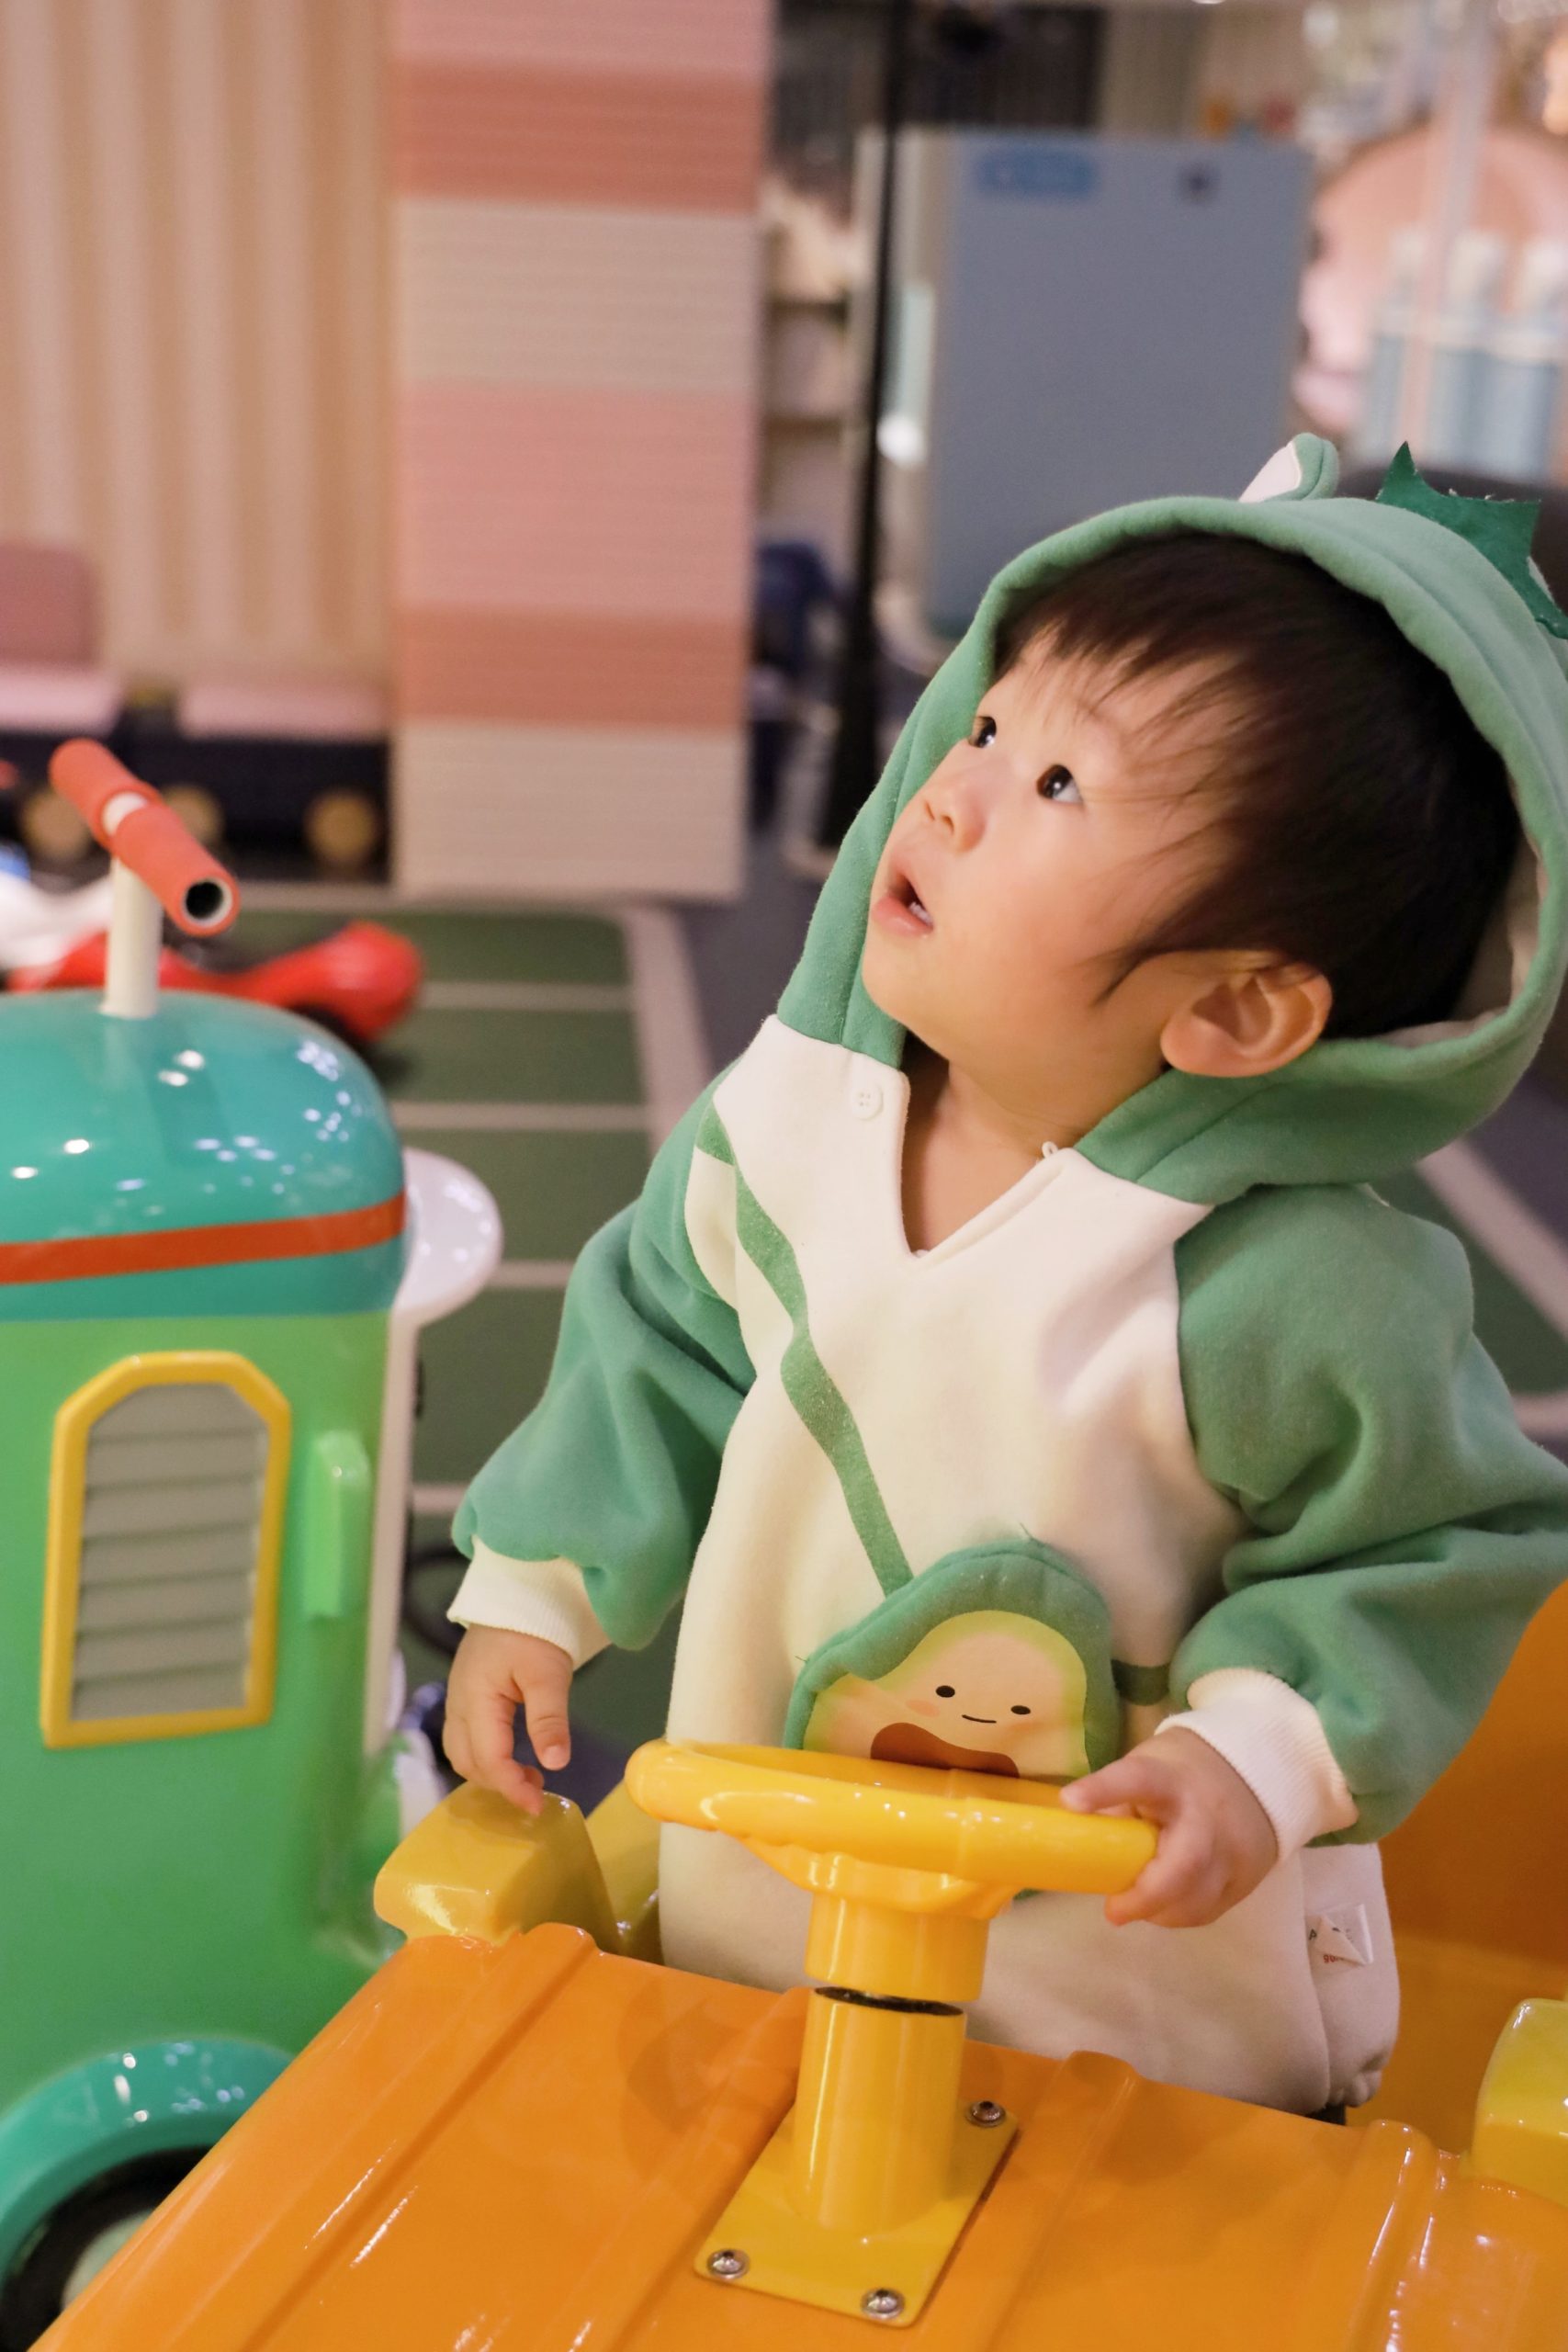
[984, 732]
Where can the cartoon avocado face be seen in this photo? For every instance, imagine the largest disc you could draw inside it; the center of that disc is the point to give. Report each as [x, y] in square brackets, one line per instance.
[985, 1692]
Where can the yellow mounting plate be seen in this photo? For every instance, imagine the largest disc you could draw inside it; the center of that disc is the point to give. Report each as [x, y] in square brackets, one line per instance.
[788, 2256]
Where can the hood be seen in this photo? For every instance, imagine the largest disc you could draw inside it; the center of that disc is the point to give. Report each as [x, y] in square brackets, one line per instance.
[1351, 1110]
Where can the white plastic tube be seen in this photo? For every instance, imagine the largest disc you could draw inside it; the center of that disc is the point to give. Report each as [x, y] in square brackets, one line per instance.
[136, 932]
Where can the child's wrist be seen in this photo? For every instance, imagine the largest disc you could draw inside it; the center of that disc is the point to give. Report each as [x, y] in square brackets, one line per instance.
[543, 1597]
[1274, 1740]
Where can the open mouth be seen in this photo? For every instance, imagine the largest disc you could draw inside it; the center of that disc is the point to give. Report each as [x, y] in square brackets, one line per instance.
[901, 888]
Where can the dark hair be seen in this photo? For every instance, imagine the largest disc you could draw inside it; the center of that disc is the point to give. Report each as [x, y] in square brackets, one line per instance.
[1370, 827]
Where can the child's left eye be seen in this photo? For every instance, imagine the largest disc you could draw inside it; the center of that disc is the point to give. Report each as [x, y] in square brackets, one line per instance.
[1058, 784]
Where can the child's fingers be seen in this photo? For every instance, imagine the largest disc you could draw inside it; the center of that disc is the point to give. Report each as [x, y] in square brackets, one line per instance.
[490, 1723]
[455, 1744]
[1131, 1782]
[460, 1752]
[545, 1711]
[1180, 1886]
[523, 1786]
[520, 1784]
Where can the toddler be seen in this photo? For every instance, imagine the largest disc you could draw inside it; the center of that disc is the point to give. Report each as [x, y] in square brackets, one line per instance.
[1008, 1358]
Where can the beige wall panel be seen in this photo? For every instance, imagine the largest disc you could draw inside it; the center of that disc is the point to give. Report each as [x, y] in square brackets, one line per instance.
[503, 293]
[191, 272]
[614, 809]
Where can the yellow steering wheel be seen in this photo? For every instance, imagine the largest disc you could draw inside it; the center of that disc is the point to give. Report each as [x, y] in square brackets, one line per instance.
[876, 1842]
[906, 1867]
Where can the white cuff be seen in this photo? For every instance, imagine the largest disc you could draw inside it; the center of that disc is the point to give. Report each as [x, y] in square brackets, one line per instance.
[545, 1597]
[1273, 1738]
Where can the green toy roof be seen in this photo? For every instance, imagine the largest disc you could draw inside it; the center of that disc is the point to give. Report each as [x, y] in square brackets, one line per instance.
[164, 1152]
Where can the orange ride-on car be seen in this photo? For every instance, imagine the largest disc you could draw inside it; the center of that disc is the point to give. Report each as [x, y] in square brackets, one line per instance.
[524, 2135]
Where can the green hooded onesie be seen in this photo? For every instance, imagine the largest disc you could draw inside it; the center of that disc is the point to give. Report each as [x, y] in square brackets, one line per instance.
[1187, 1425]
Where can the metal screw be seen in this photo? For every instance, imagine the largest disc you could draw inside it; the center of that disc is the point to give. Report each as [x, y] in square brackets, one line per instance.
[729, 2263]
[883, 2302]
[987, 2114]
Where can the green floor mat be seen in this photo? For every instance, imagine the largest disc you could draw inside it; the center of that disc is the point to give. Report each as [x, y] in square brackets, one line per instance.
[484, 1368]
[503, 1056]
[553, 1190]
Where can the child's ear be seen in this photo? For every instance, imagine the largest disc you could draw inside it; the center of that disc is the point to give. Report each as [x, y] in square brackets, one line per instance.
[1247, 1019]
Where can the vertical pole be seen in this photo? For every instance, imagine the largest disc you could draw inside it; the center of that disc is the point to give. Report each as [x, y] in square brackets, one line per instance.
[875, 2115]
[1453, 171]
[135, 940]
[856, 748]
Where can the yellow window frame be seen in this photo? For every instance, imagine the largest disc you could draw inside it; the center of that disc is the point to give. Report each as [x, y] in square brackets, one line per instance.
[73, 1426]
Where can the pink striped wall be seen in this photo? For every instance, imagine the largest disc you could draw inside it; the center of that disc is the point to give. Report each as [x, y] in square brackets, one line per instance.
[558, 669]
[684, 144]
[726, 38]
[572, 496]
[539, 498]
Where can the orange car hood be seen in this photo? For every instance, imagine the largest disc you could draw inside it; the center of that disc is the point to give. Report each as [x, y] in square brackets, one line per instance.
[518, 2148]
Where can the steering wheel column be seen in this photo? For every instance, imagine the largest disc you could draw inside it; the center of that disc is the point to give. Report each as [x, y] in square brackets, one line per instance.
[858, 2201]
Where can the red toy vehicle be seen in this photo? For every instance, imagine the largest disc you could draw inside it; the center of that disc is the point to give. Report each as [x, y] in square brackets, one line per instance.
[358, 980]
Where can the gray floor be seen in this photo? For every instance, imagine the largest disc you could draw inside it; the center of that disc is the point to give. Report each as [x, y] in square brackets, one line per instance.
[1528, 1143]
[742, 955]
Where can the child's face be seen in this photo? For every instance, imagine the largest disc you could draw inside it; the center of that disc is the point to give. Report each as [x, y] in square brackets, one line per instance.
[1032, 858]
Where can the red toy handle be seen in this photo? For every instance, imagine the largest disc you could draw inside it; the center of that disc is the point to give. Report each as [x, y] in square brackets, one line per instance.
[137, 826]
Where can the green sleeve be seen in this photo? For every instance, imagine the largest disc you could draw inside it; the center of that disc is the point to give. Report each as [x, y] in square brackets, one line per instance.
[617, 1465]
[1401, 1529]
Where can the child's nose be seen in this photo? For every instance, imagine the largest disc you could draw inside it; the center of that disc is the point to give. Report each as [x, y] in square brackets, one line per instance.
[957, 802]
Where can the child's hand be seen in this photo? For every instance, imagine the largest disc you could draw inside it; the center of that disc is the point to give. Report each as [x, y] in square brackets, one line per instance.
[1216, 1840]
[492, 1675]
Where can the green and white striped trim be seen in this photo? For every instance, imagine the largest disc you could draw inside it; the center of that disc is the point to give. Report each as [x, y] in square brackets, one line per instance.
[807, 1383]
[820, 1403]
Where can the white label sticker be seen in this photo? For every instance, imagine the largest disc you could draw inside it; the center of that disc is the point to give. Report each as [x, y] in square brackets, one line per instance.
[1340, 1939]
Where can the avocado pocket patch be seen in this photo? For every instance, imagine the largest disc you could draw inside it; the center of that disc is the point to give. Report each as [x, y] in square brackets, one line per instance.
[995, 1659]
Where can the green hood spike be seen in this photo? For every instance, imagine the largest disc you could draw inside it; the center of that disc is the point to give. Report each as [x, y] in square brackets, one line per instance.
[1454, 574]
[1502, 528]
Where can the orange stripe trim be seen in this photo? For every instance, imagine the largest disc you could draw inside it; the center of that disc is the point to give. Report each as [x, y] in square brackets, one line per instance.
[544, 135]
[97, 1255]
